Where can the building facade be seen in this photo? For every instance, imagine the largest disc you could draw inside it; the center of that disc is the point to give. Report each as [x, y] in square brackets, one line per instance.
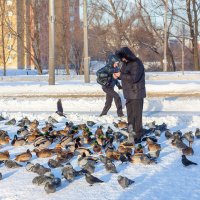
[27, 42]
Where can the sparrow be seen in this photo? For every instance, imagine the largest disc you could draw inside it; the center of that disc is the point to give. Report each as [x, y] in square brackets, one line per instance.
[187, 162]
[124, 182]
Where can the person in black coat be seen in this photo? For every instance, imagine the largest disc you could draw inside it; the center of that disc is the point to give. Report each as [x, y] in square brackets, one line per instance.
[132, 76]
[108, 82]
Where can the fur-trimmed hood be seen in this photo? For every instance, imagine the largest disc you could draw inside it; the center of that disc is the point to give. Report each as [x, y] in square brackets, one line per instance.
[126, 53]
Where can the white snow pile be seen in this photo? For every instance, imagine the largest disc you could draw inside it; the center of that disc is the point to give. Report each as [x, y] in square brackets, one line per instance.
[77, 87]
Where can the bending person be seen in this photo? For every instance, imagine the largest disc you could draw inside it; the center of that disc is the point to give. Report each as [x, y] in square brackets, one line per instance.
[132, 76]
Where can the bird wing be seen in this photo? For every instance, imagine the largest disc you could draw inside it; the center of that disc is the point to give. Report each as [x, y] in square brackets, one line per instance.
[59, 106]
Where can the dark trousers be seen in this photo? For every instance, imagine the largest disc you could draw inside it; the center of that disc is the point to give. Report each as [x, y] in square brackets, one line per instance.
[110, 95]
[134, 114]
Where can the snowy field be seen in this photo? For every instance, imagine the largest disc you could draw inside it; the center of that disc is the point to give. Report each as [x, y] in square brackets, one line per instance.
[167, 179]
[71, 88]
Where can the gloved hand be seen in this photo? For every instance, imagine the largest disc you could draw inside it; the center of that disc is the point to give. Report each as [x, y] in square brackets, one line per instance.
[119, 87]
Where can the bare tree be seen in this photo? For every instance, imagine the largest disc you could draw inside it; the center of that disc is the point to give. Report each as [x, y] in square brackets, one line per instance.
[193, 25]
[7, 41]
[187, 12]
[33, 26]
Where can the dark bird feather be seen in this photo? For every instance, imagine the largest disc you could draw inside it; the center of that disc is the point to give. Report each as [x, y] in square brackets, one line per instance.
[60, 108]
[187, 162]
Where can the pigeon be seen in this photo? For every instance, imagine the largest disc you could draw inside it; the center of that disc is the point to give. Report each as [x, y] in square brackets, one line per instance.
[11, 122]
[154, 139]
[92, 179]
[110, 167]
[103, 159]
[178, 133]
[1, 177]
[90, 123]
[12, 164]
[29, 167]
[50, 188]
[42, 180]
[157, 132]
[197, 133]
[187, 162]
[154, 154]
[2, 118]
[54, 163]
[168, 134]
[60, 109]
[51, 120]
[68, 172]
[162, 127]
[189, 137]
[87, 163]
[40, 169]
[23, 131]
[124, 158]
[151, 125]
[57, 182]
[124, 182]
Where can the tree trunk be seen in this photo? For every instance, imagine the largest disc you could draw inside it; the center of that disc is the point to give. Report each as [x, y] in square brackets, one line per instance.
[193, 32]
[66, 34]
[172, 59]
[196, 54]
[3, 36]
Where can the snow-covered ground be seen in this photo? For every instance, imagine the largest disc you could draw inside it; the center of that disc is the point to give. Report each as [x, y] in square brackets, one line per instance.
[78, 88]
[167, 179]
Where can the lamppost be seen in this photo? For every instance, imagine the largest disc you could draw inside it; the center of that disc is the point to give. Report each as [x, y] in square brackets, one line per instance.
[85, 32]
[51, 42]
[165, 37]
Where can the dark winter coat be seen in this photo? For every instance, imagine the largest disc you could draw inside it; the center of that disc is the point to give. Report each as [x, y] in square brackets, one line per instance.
[105, 74]
[132, 75]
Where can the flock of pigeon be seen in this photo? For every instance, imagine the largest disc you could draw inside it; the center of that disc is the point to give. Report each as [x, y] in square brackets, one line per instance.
[89, 144]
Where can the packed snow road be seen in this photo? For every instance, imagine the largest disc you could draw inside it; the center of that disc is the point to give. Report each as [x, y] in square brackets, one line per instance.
[168, 179]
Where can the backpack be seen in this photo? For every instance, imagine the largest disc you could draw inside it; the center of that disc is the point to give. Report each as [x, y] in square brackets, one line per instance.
[103, 78]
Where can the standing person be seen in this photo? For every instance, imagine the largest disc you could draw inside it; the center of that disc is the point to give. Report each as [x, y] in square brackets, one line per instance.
[108, 82]
[132, 76]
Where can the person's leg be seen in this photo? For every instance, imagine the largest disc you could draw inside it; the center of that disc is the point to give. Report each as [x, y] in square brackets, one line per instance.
[137, 112]
[109, 99]
[130, 117]
[118, 102]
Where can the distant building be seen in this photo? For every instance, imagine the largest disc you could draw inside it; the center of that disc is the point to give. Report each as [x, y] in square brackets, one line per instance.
[24, 20]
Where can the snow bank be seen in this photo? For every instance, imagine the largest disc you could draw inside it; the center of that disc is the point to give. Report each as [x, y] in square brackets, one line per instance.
[78, 88]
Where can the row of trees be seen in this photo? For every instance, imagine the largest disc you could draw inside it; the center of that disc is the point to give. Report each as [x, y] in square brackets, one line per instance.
[138, 24]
